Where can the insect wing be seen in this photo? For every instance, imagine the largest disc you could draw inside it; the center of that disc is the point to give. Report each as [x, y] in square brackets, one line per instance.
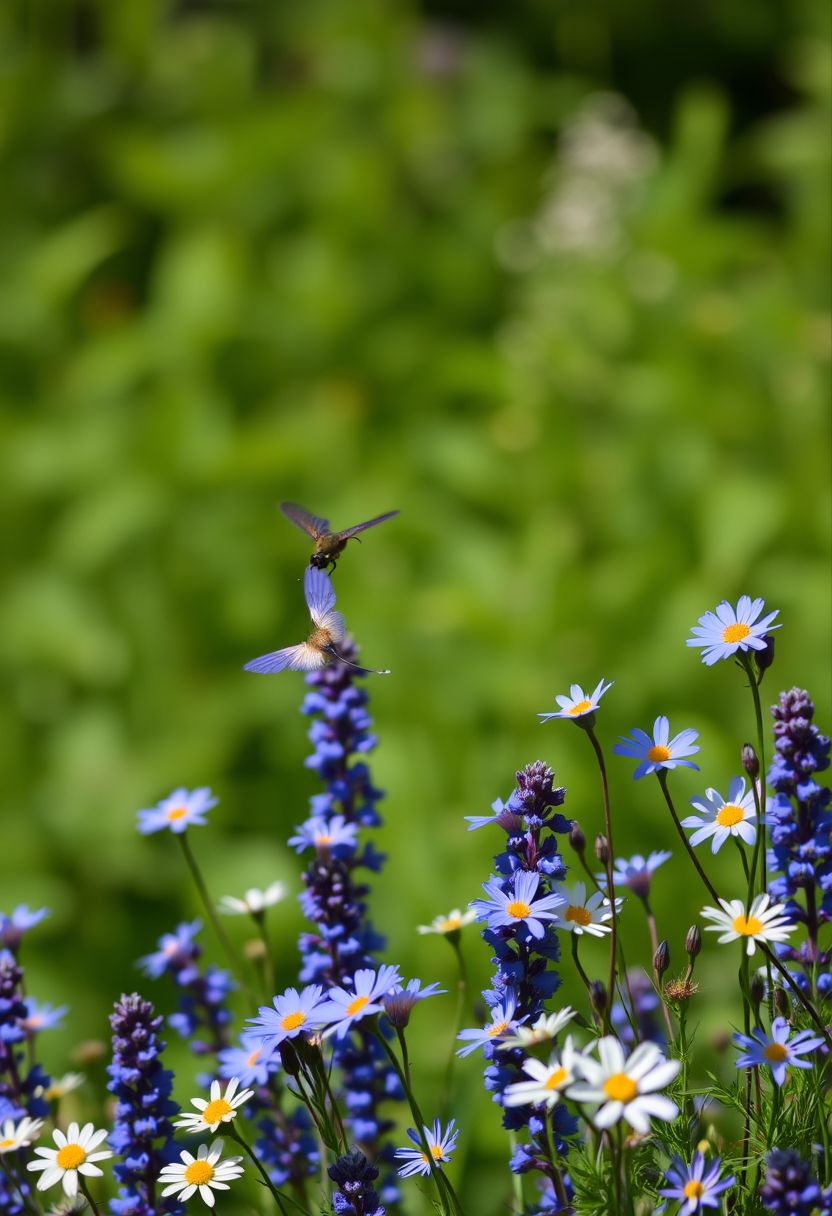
[334, 623]
[319, 592]
[371, 523]
[312, 525]
[290, 658]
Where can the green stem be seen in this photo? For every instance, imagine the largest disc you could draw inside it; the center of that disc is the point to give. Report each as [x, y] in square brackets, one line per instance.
[211, 913]
[775, 1111]
[462, 985]
[662, 776]
[268, 966]
[654, 943]
[88, 1196]
[743, 858]
[759, 795]
[599, 755]
[28, 1201]
[516, 1180]
[278, 1198]
[580, 969]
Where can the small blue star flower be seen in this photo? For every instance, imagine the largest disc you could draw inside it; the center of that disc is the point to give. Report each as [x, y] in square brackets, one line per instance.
[502, 1022]
[503, 816]
[328, 837]
[399, 1003]
[578, 703]
[636, 873]
[657, 753]
[251, 1062]
[779, 1051]
[179, 810]
[344, 1008]
[41, 1017]
[727, 630]
[695, 1188]
[441, 1146]
[13, 927]
[518, 906]
[294, 1013]
[173, 947]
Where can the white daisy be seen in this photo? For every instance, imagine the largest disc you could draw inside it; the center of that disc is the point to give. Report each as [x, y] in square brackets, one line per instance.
[543, 1030]
[452, 923]
[254, 901]
[727, 630]
[218, 1109]
[626, 1087]
[14, 1137]
[578, 702]
[732, 816]
[582, 915]
[548, 1080]
[762, 924]
[60, 1086]
[204, 1173]
[74, 1155]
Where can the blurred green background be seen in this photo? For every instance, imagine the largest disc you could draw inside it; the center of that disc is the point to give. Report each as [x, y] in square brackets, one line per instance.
[552, 278]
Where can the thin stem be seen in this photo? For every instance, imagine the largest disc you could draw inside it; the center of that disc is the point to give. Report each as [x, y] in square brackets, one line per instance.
[516, 1179]
[662, 776]
[579, 966]
[654, 943]
[557, 1180]
[405, 1061]
[759, 797]
[599, 755]
[278, 1198]
[211, 912]
[462, 985]
[268, 966]
[28, 1201]
[88, 1196]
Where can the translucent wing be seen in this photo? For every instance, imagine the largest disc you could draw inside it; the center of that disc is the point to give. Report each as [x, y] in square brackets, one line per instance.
[290, 658]
[320, 596]
[335, 624]
[371, 523]
[312, 525]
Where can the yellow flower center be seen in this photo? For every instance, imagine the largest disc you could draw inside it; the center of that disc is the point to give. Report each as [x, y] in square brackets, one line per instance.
[729, 814]
[580, 707]
[620, 1088]
[518, 909]
[775, 1053]
[322, 838]
[747, 925]
[578, 915]
[176, 812]
[658, 753]
[292, 1021]
[199, 1172]
[496, 1029]
[453, 922]
[436, 1151]
[735, 633]
[217, 1110]
[6, 1143]
[70, 1157]
[557, 1078]
[693, 1189]
[358, 1004]
[253, 1058]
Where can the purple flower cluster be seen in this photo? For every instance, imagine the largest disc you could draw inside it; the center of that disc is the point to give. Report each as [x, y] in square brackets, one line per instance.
[143, 1133]
[204, 993]
[344, 941]
[800, 821]
[790, 1189]
[354, 1177]
[525, 949]
[20, 1087]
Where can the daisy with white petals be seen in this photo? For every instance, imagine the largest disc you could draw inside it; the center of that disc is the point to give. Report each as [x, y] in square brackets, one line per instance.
[74, 1155]
[542, 1031]
[452, 923]
[763, 923]
[254, 901]
[735, 815]
[16, 1136]
[578, 703]
[625, 1088]
[204, 1173]
[727, 630]
[548, 1081]
[582, 915]
[220, 1108]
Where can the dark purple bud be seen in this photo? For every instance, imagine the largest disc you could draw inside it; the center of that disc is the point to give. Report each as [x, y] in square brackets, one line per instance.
[749, 761]
[693, 942]
[765, 658]
[577, 838]
[661, 959]
[289, 1058]
[602, 848]
[782, 1002]
[758, 988]
[598, 996]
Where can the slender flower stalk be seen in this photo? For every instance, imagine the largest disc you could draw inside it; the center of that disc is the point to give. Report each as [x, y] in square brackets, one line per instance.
[211, 912]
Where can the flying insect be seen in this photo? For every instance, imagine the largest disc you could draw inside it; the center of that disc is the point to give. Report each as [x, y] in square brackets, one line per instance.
[329, 545]
[328, 632]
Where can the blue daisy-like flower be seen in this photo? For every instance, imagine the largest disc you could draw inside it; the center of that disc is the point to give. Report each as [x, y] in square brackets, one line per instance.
[441, 1145]
[518, 906]
[345, 1008]
[726, 630]
[252, 1062]
[694, 1186]
[181, 809]
[502, 1023]
[503, 816]
[12, 928]
[657, 752]
[578, 703]
[174, 948]
[328, 837]
[399, 1002]
[636, 872]
[294, 1013]
[779, 1051]
[41, 1017]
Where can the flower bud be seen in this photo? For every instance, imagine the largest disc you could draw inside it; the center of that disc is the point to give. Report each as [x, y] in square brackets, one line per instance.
[598, 997]
[255, 948]
[693, 942]
[757, 988]
[765, 658]
[749, 761]
[289, 1058]
[782, 1002]
[661, 959]
[577, 838]
[602, 848]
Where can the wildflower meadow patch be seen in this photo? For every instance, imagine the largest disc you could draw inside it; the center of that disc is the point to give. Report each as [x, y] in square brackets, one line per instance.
[300, 1097]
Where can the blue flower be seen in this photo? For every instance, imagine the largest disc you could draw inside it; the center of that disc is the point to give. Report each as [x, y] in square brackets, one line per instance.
[789, 1188]
[294, 1013]
[441, 1145]
[398, 1003]
[503, 816]
[175, 950]
[779, 1051]
[502, 1023]
[12, 928]
[657, 752]
[693, 1186]
[41, 1017]
[328, 837]
[579, 703]
[636, 872]
[727, 630]
[517, 905]
[179, 810]
[251, 1062]
[344, 1008]
[354, 1177]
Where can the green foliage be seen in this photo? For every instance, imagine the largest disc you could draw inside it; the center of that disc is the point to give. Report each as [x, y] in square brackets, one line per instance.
[343, 254]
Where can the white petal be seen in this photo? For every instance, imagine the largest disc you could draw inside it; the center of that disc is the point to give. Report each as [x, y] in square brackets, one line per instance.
[207, 1195]
[70, 1183]
[609, 1114]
